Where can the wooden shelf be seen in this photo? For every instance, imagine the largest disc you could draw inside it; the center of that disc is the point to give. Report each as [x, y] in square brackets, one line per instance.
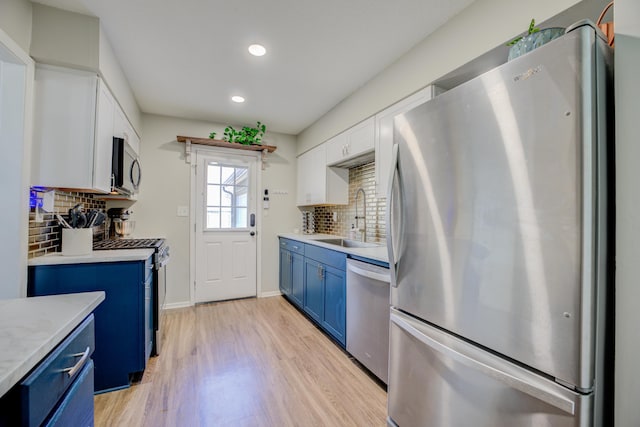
[226, 144]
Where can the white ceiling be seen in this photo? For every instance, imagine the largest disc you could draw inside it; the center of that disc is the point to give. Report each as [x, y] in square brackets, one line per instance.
[187, 58]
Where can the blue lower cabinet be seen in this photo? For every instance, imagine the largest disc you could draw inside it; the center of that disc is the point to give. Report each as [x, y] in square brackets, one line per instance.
[314, 279]
[59, 389]
[297, 279]
[334, 307]
[285, 272]
[313, 289]
[123, 322]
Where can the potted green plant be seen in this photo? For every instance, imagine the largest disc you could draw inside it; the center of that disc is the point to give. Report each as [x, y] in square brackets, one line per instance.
[534, 38]
[246, 136]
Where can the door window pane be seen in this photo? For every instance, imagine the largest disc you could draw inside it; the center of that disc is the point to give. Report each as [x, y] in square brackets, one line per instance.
[213, 174]
[225, 218]
[227, 196]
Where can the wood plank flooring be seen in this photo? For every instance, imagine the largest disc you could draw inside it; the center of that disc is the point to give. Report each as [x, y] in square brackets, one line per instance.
[252, 362]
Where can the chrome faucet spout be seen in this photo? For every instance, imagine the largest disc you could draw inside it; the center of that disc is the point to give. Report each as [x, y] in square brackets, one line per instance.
[364, 213]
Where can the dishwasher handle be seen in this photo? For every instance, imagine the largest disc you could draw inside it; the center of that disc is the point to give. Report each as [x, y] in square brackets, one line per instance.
[370, 274]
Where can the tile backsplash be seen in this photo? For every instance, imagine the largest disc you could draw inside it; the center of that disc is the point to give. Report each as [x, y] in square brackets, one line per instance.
[45, 236]
[360, 176]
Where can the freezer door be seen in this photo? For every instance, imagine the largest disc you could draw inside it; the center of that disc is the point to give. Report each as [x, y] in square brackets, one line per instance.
[495, 196]
[437, 380]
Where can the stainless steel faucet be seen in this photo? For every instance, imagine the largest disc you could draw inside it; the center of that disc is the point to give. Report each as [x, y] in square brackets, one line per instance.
[364, 214]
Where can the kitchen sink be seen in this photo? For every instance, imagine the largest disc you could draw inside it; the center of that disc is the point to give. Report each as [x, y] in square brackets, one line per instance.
[346, 243]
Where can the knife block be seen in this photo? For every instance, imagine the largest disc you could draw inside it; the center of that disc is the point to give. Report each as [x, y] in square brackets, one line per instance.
[77, 241]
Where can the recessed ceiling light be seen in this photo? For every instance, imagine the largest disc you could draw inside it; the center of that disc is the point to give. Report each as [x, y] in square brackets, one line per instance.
[237, 99]
[257, 50]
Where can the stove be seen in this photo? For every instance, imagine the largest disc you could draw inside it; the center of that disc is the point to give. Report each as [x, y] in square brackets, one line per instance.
[161, 256]
[160, 260]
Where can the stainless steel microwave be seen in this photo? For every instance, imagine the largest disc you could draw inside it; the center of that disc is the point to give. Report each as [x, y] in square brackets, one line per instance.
[125, 169]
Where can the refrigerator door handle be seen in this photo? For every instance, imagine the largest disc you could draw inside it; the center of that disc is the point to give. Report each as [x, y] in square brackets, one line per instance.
[393, 261]
[537, 391]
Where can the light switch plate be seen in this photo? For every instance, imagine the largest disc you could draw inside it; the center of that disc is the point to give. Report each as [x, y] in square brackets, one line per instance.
[183, 210]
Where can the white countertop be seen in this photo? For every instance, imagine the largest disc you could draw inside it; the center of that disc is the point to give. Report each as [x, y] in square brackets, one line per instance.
[31, 327]
[113, 255]
[378, 253]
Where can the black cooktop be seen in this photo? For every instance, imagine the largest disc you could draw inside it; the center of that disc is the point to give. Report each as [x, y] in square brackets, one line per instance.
[128, 244]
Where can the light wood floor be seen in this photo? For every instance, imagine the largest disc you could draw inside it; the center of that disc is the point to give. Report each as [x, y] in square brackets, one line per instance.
[253, 362]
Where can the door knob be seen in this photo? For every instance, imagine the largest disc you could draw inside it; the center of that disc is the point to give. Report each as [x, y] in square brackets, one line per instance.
[253, 233]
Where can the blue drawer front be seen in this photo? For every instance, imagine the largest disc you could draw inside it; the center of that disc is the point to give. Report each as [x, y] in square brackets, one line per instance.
[76, 409]
[326, 256]
[292, 245]
[45, 386]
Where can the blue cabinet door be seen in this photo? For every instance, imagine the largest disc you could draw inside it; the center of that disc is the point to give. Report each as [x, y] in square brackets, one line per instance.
[334, 307]
[285, 272]
[313, 289]
[297, 279]
[148, 317]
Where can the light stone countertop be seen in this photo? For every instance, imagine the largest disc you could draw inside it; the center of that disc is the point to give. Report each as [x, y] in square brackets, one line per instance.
[378, 253]
[31, 327]
[113, 255]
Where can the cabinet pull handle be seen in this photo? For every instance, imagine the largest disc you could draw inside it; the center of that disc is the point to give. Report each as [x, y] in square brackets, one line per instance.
[79, 364]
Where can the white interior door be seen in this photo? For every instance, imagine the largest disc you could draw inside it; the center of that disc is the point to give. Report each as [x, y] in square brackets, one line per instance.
[226, 249]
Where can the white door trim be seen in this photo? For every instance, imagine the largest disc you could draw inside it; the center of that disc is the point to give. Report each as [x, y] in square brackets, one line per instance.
[19, 290]
[204, 151]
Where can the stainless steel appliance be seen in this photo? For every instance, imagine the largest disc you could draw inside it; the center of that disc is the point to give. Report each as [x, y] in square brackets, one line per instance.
[119, 223]
[498, 245]
[160, 261]
[125, 168]
[368, 315]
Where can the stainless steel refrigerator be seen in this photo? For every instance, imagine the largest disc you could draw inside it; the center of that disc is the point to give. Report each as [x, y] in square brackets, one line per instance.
[498, 242]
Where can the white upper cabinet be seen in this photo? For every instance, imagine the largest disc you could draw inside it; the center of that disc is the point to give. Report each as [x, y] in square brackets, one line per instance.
[122, 129]
[352, 143]
[319, 184]
[73, 130]
[384, 135]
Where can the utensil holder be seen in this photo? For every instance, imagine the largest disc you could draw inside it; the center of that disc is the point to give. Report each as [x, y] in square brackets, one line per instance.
[77, 241]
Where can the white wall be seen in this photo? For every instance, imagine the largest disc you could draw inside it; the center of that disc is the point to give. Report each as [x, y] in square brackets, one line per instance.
[15, 20]
[166, 185]
[479, 28]
[112, 72]
[627, 92]
[64, 38]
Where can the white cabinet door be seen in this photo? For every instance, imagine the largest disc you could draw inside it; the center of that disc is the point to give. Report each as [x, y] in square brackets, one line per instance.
[384, 135]
[64, 128]
[360, 138]
[120, 122]
[311, 176]
[319, 184]
[104, 139]
[336, 148]
[123, 129]
[351, 143]
[131, 137]
[73, 130]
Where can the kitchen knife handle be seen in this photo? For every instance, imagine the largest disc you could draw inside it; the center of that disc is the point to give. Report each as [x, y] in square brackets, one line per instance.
[393, 262]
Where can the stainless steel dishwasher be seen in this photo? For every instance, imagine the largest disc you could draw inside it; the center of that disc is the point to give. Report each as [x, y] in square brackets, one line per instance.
[368, 316]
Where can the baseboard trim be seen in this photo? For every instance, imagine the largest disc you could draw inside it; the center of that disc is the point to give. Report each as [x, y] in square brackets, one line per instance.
[270, 294]
[174, 305]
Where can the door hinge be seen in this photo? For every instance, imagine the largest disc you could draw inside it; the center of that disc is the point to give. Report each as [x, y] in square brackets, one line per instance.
[194, 227]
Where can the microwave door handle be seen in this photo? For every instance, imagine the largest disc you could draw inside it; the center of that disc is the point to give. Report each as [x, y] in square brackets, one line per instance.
[136, 183]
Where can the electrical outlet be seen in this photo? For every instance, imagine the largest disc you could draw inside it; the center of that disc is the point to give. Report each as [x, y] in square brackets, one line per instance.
[183, 211]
